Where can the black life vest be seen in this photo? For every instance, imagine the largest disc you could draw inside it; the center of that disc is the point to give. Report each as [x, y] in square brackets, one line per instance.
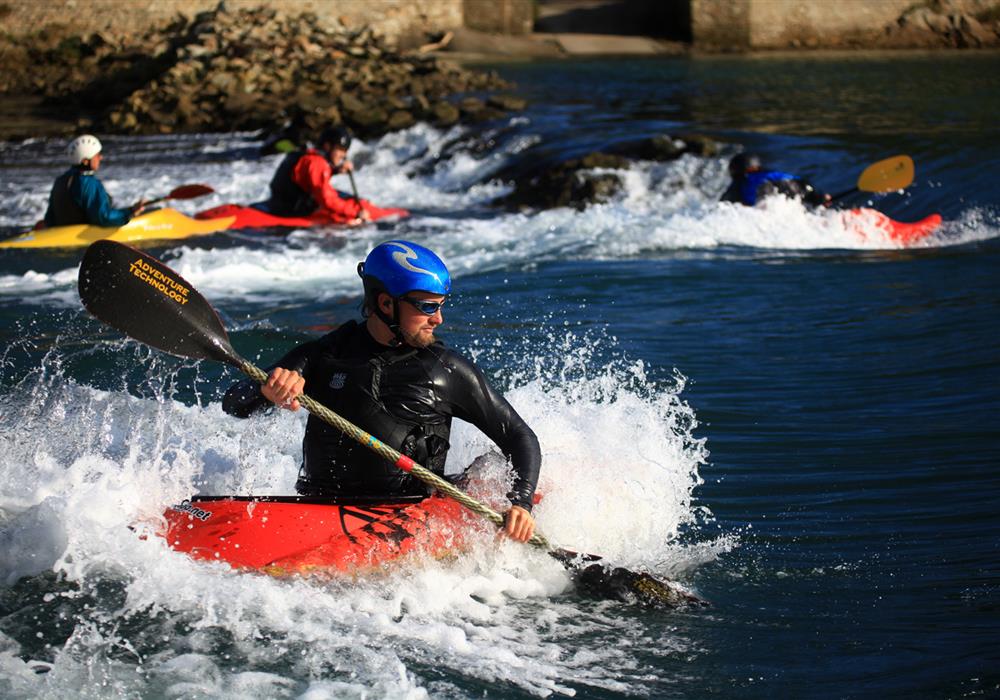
[63, 209]
[389, 394]
[287, 198]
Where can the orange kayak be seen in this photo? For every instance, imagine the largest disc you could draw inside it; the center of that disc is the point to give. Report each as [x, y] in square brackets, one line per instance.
[283, 535]
[868, 221]
[249, 217]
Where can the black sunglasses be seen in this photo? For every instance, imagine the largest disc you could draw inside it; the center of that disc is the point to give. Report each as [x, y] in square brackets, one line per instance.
[428, 308]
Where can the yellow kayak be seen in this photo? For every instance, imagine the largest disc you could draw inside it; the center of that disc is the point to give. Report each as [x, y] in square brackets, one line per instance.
[161, 224]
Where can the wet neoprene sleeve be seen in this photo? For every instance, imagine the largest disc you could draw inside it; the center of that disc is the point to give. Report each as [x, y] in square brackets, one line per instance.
[407, 387]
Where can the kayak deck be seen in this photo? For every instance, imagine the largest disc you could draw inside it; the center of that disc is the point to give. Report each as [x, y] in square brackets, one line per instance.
[162, 224]
[282, 535]
[250, 217]
[867, 221]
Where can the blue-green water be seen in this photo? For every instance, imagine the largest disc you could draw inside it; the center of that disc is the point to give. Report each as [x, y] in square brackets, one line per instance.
[793, 420]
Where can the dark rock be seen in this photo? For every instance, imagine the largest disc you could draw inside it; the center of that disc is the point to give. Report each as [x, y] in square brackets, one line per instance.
[665, 147]
[574, 183]
[400, 119]
[368, 119]
[567, 184]
[599, 160]
[238, 103]
[509, 103]
[445, 114]
[471, 105]
[702, 146]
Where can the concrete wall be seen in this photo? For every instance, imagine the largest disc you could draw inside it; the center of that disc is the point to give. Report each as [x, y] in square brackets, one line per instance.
[725, 25]
[783, 23]
[720, 24]
[736, 25]
[500, 16]
[393, 18]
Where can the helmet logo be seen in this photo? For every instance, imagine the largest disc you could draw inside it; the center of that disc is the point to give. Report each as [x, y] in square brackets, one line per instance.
[403, 260]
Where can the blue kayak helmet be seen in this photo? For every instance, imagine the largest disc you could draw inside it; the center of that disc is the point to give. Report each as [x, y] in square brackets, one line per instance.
[397, 268]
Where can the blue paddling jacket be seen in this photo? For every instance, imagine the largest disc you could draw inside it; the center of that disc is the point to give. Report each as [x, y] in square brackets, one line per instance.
[756, 185]
[78, 197]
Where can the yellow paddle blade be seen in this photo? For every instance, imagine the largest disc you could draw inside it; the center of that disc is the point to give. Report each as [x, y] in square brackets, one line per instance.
[894, 173]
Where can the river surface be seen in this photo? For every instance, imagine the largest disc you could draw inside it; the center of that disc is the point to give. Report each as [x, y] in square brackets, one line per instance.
[796, 421]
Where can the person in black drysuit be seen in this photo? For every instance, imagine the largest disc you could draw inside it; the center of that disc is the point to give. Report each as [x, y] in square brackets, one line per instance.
[751, 183]
[391, 377]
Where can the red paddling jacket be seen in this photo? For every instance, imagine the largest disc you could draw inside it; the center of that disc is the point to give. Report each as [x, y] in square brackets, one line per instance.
[301, 187]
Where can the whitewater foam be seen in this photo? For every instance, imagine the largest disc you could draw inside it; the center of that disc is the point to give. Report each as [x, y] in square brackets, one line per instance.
[663, 209]
[87, 473]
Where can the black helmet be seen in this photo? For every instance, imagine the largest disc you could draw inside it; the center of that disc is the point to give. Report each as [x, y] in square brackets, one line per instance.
[336, 136]
[743, 163]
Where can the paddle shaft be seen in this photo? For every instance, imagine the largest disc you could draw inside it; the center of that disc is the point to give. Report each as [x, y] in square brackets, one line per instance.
[354, 187]
[844, 194]
[399, 460]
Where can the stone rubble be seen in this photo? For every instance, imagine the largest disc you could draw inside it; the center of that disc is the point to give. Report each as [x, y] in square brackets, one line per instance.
[944, 24]
[245, 70]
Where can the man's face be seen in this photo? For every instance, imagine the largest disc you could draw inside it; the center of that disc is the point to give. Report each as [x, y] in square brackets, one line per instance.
[338, 154]
[416, 327]
[95, 162]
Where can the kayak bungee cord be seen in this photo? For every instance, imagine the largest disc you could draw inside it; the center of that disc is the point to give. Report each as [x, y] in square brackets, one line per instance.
[394, 456]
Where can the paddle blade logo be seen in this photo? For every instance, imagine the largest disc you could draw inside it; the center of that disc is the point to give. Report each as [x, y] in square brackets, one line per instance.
[160, 281]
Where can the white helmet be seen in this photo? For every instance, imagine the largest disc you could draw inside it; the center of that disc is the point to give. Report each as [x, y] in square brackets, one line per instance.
[83, 148]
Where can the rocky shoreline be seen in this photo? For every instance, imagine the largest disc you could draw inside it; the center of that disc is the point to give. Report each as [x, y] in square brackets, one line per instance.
[244, 70]
[260, 69]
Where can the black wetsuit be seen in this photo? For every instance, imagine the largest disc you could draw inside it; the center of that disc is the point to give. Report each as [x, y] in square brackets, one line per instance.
[403, 396]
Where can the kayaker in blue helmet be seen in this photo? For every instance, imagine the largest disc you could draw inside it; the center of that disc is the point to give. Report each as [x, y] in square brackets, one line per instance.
[301, 184]
[392, 377]
[78, 197]
[751, 183]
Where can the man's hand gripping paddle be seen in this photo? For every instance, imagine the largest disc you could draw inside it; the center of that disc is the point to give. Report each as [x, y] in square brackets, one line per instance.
[147, 301]
[894, 173]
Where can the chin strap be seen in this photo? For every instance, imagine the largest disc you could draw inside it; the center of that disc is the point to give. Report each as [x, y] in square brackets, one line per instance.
[392, 323]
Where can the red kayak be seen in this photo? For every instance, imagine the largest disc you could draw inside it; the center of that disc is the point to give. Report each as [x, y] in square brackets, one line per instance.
[868, 221]
[248, 217]
[283, 535]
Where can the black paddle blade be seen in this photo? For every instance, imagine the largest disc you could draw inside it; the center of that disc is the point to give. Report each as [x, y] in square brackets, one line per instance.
[147, 301]
[600, 580]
